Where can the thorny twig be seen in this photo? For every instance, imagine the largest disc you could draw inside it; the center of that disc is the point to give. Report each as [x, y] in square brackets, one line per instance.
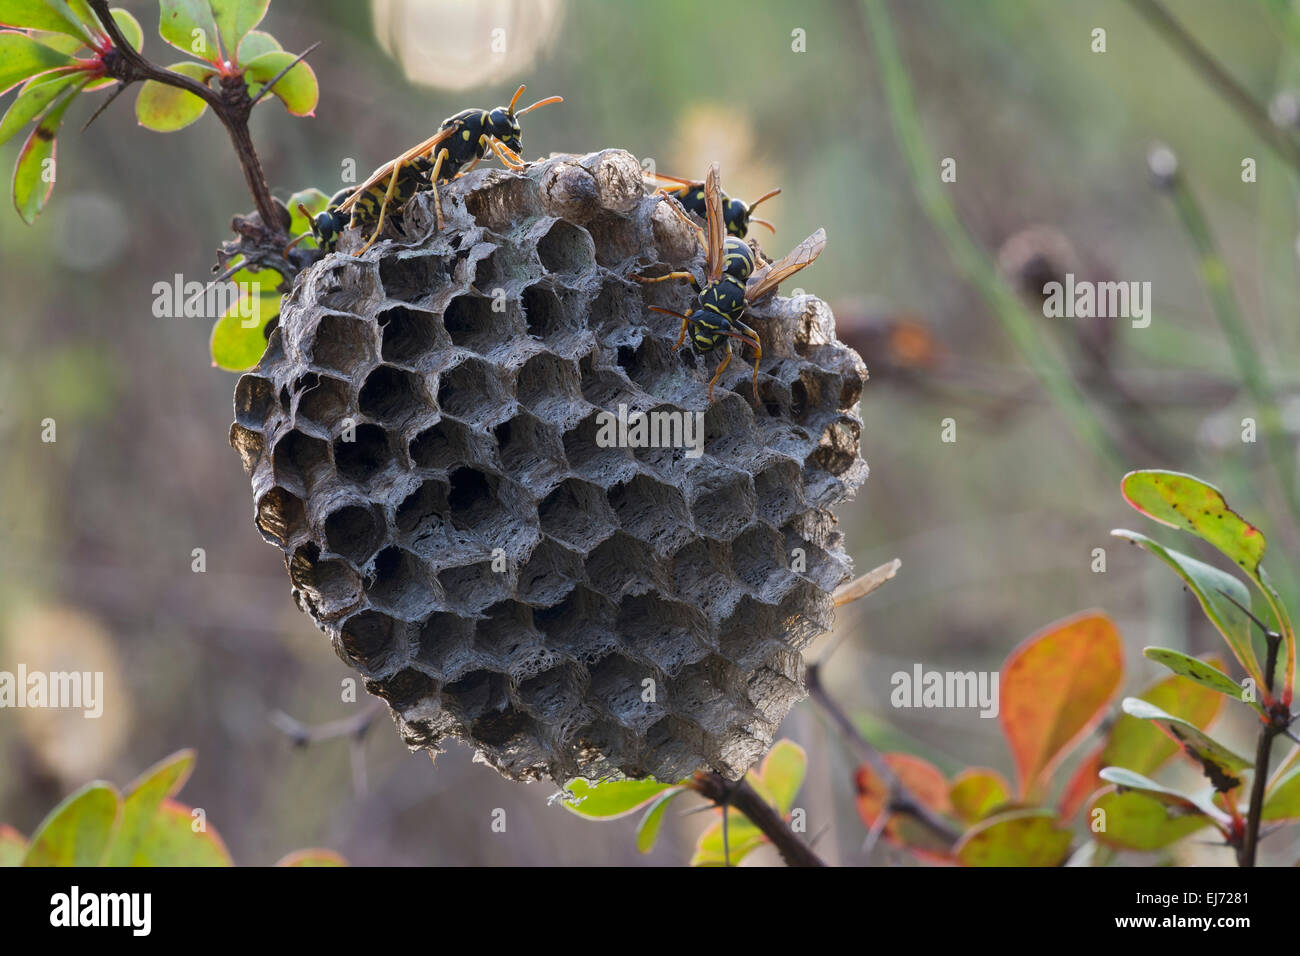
[746, 800]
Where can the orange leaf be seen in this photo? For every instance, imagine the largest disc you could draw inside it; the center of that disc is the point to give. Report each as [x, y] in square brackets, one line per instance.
[976, 792]
[1083, 783]
[926, 782]
[1055, 687]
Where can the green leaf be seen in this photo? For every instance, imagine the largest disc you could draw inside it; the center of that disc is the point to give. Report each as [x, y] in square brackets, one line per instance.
[13, 846]
[1128, 780]
[1218, 762]
[1029, 837]
[1202, 672]
[743, 838]
[34, 98]
[255, 44]
[62, 42]
[315, 857]
[647, 831]
[1283, 799]
[297, 89]
[315, 202]
[41, 15]
[141, 806]
[783, 771]
[1182, 501]
[166, 108]
[610, 799]
[1138, 821]
[32, 183]
[236, 345]
[234, 19]
[130, 27]
[977, 791]
[1209, 584]
[1143, 747]
[173, 841]
[22, 57]
[188, 26]
[77, 832]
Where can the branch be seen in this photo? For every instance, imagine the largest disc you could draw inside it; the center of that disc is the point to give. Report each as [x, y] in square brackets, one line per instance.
[739, 794]
[1263, 749]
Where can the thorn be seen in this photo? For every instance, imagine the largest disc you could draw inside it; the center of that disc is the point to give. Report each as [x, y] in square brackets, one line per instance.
[276, 79]
[1246, 611]
[117, 91]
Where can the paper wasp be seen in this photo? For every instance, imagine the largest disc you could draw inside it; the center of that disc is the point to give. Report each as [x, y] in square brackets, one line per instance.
[731, 283]
[458, 146]
[736, 213]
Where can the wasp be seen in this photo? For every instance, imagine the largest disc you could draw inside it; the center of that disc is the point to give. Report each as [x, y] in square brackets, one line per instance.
[458, 146]
[736, 214]
[732, 282]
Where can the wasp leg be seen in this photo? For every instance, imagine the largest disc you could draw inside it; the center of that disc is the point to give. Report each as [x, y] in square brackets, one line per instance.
[681, 214]
[750, 337]
[293, 242]
[686, 321]
[477, 160]
[433, 179]
[508, 155]
[726, 359]
[383, 208]
[663, 278]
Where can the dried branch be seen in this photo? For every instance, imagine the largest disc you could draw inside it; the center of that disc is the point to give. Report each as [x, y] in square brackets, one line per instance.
[739, 794]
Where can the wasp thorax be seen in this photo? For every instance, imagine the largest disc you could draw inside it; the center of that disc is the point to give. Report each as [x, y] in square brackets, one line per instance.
[468, 445]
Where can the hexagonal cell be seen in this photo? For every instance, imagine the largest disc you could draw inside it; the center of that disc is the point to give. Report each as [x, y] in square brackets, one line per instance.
[759, 560]
[616, 300]
[327, 400]
[604, 387]
[501, 203]
[412, 276]
[254, 398]
[549, 574]
[473, 324]
[444, 444]
[473, 498]
[471, 391]
[576, 513]
[505, 635]
[399, 582]
[365, 456]
[354, 531]
[341, 343]
[701, 576]
[669, 634]
[812, 391]
[423, 508]
[566, 249]
[581, 625]
[408, 334]
[473, 587]
[837, 449]
[300, 461]
[652, 511]
[478, 692]
[404, 689]
[546, 380]
[811, 562]
[649, 363]
[530, 449]
[281, 517]
[552, 695]
[372, 639]
[501, 728]
[699, 698]
[394, 396]
[544, 313]
[592, 451]
[618, 684]
[750, 633]
[331, 586]
[779, 491]
[724, 502]
[444, 645]
[622, 564]
[249, 444]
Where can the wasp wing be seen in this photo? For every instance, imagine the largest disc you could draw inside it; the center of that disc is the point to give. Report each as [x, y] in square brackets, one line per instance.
[717, 226]
[383, 172]
[766, 279]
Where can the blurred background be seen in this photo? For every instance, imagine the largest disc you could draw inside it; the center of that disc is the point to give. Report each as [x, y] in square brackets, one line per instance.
[996, 531]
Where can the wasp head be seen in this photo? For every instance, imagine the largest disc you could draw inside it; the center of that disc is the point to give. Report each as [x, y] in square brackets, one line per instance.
[504, 125]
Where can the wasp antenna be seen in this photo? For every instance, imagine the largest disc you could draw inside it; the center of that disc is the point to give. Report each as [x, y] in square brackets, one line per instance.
[549, 99]
[515, 99]
[763, 222]
[765, 197]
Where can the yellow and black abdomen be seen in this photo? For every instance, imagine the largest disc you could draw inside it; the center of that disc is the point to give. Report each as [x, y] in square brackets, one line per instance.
[718, 307]
[411, 178]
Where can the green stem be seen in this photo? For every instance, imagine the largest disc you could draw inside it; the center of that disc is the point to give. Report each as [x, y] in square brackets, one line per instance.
[1018, 323]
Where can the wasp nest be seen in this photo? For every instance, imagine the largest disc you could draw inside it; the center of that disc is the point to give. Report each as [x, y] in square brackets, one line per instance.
[424, 440]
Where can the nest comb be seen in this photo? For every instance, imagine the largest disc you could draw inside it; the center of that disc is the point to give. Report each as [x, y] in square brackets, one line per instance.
[421, 435]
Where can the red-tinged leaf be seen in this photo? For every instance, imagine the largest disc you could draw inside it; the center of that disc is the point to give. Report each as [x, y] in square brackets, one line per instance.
[13, 846]
[314, 857]
[166, 109]
[1083, 783]
[1055, 687]
[1282, 801]
[141, 806]
[926, 783]
[21, 57]
[1134, 820]
[1208, 674]
[1202, 801]
[1029, 837]
[976, 792]
[78, 831]
[782, 772]
[297, 89]
[1182, 501]
[34, 99]
[234, 19]
[188, 26]
[1139, 745]
[56, 17]
[255, 44]
[34, 173]
[173, 841]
